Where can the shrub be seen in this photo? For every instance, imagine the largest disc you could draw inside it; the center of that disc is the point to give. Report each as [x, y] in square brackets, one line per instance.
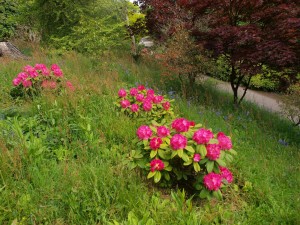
[142, 103]
[32, 80]
[184, 151]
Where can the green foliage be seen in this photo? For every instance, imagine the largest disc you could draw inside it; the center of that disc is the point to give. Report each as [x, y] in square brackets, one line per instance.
[77, 175]
[8, 23]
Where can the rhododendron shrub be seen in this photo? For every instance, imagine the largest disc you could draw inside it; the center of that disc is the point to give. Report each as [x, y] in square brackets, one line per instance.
[140, 102]
[33, 79]
[184, 151]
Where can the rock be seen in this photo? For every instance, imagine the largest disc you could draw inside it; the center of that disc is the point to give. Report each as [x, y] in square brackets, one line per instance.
[7, 49]
[146, 41]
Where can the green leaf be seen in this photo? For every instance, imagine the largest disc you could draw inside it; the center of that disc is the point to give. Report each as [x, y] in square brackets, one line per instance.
[196, 167]
[145, 142]
[204, 193]
[229, 157]
[155, 123]
[167, 176]
[167, 140]
[168, 168]
[202, 150]
[180, 152]
[202, 161]
[217, 194]
[157, 176]
[187, 163]
[162, 154]
[185, 157]
[163, 146]
[210, 166]
[153, 154]
[233, 152]
[221, 162]
[213, 141]
[174, 153]
[198, 125]
[151, 174]
[190, 149]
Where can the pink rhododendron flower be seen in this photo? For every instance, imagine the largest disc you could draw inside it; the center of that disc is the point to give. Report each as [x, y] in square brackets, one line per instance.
[181, 125]
[55, 67]
[155, 143]
[144, 132]
[156, 164]
[45, 71]
[57, 73]
[213, 151]
[162, 131]
[56, 70]
[70, 86]
[166, 105]
[134, 108]
[125, 103]
[52, 84]
[212, 181]
[31, 71]
[147, 106]
[26, 83]
[122, 93]
[40, 66]
[23, 76]
[149, 98]
[197, 157]
[45, 84]
[150, 92]
[178, 141]
[226, 174]
[202, 136]
[139, 97]
[133, 91]
[141, 87]
[157, 99]
[17, 81]
[224, 141]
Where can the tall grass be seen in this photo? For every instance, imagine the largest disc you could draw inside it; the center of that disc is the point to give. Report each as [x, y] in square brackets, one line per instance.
[62, 157]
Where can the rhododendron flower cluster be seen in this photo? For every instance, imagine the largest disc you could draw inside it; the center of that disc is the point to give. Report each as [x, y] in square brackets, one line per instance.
[40, 77]
[156, 164]
[141, 102]
[187, 151]
[212, 181]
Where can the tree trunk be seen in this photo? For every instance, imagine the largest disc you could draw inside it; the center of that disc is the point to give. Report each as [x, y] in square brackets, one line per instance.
[7, 49]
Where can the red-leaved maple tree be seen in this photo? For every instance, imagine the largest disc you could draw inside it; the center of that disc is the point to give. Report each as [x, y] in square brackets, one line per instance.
[249, 33]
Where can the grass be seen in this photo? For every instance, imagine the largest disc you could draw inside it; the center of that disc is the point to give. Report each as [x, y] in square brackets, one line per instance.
[61, 158]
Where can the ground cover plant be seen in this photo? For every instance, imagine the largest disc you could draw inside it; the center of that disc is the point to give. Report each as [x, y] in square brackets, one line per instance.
[62, 158]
